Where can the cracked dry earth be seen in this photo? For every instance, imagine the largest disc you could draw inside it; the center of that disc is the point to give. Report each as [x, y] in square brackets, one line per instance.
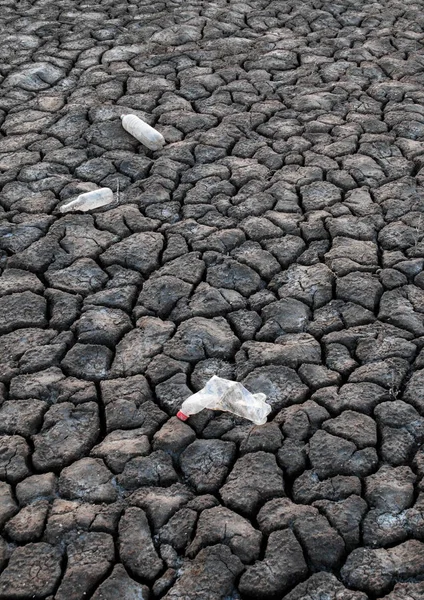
[277, 239]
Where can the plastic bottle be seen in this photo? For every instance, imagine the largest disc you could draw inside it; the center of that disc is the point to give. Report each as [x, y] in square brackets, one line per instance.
[89, 200]
[143, 132]
[230, 396]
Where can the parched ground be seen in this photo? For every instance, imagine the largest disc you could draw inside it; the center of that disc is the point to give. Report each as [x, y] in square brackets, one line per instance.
[277, 239]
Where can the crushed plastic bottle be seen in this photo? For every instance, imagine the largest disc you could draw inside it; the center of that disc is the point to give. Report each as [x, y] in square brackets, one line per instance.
[142, 132]
[89, 200]
[230, 396]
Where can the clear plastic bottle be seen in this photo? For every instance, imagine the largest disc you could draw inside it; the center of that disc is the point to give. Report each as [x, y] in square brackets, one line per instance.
[230, 396]
[89, 200]
[143, 132]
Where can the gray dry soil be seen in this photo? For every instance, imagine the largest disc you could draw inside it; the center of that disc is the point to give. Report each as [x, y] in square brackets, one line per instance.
[277, 239]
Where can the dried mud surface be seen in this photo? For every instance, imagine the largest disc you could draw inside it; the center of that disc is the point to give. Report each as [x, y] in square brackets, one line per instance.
[277, 239]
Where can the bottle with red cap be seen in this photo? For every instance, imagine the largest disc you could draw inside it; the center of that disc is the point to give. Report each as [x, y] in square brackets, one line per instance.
[231, 396]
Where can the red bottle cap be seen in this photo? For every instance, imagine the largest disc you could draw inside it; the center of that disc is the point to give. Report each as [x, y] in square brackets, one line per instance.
[182, 416]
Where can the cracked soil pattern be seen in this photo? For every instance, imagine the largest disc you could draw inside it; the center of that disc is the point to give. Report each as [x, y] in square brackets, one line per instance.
[277, 239]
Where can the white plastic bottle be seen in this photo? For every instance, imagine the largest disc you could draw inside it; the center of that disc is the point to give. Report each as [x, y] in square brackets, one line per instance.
[89, 200]
[142, 132]
[230, 396]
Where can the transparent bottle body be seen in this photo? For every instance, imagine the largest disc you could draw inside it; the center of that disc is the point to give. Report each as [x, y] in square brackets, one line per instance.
[230, 396]
[89, 200]
[142, 132]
